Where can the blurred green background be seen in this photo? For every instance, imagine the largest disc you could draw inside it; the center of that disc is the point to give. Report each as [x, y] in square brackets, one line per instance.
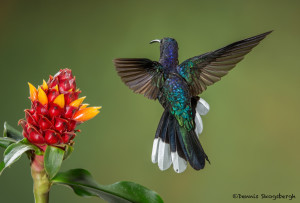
[251, 133]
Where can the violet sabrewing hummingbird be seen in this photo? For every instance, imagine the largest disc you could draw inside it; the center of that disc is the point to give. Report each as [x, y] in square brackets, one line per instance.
[177, 86]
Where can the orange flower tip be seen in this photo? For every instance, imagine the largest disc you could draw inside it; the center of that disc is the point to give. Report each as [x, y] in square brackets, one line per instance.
[44, 86]
[60, 100]
[76, 103]
[77, 90]
[42, 97]
[86, 114]
[83, 106]
[55, 87]
[33, 92]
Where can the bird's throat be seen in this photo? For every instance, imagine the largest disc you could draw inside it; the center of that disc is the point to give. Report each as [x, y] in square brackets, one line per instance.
[169, 58]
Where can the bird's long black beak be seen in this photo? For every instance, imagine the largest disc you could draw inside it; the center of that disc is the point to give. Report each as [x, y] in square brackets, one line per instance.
[155, 40]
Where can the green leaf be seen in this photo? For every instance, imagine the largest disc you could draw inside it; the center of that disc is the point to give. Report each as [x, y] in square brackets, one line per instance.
[2, 165]
[6, 141]
[52, 160]
[11, 132]
[37, 150]
[10, 136]
[83, 184]
[68, 151]
[13, 152]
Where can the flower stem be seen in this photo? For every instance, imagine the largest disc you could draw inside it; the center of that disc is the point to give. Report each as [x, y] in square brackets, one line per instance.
[41, 183]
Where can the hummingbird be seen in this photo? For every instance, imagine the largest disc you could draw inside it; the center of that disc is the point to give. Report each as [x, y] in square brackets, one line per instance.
[176, 87]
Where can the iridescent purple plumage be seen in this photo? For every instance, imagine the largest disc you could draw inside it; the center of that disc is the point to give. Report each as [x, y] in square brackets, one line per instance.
[168, 55]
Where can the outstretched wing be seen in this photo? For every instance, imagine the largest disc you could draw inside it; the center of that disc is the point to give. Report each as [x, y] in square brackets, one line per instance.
[141, 75]
[206, 69]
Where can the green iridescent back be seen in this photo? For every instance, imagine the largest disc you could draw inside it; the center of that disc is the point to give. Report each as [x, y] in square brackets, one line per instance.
[176, 97]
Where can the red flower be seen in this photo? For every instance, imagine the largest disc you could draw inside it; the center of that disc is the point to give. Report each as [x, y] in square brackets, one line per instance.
[55, 111]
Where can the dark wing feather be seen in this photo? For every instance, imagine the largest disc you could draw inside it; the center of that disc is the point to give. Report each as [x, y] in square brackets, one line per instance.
[206, 69]
[141, 75]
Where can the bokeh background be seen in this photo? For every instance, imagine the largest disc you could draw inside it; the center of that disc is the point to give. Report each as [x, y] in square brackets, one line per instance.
[251, 134]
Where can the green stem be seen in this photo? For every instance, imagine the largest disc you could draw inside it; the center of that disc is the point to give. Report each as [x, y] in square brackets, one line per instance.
[41, 183]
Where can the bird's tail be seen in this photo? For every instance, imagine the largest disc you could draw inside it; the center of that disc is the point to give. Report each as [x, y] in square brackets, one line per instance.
[174, 144]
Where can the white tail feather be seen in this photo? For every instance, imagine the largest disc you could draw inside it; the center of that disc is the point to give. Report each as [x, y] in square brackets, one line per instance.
[179, 164]
[155, 150]
[164, 156]
[199, 124]
[202, 107]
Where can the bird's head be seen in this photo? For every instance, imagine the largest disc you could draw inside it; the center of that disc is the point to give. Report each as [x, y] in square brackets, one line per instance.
[168, 49]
